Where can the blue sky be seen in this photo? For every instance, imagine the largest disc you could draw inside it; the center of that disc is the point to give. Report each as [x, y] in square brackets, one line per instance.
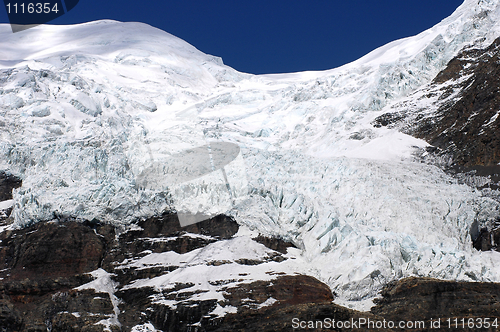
[274, 36]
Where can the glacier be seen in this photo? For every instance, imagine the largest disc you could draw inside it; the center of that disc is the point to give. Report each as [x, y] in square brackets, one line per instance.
[85, 109]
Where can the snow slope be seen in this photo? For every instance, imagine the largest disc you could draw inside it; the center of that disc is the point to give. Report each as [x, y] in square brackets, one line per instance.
[85, 109]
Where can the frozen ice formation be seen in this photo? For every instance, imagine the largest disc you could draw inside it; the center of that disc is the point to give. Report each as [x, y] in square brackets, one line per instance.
[220, 167]
[86, 109]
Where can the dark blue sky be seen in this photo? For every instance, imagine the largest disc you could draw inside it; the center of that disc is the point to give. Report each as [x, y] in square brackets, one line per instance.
[274, 36]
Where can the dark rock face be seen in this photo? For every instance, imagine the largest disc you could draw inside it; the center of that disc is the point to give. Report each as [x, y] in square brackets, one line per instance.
[7, 183]
[423, 299]
[488, 239]
[137, 307]
[466, 122]
[167, 225]
[279, 245]
[39, 268]
[52, 249]
[468, 128]
[287, 290]
[42, 267]
[317, 317]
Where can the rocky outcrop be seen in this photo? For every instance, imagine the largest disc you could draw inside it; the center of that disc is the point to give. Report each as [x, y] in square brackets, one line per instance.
[425, 299]
[284, 291]
[488, 239]
[318, 317]
[251, 301]
[468, 126]
[275, 243]
[52, 249]
[47, 272]
[163, 234]
[7, 183]
[300, 301]
[40, 267]
[467, 100]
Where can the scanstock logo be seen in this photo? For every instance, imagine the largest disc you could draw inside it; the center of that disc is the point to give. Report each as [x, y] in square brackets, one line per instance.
[27, 14]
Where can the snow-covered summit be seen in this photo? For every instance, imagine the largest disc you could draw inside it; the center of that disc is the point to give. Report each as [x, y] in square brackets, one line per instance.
[105, 39]
[85, 109]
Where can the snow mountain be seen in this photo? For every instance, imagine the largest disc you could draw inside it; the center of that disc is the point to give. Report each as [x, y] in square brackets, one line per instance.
[86, 109]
